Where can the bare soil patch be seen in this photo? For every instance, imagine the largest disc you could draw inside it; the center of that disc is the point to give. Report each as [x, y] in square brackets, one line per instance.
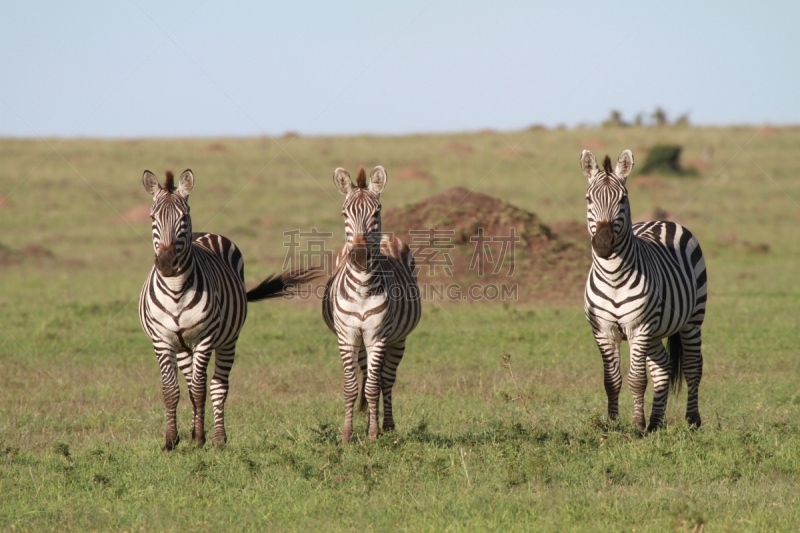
[593, 144]
[412, 174]
[644, 181]
[32, 252]
[459, 148]
[138, 213]
[216, 147]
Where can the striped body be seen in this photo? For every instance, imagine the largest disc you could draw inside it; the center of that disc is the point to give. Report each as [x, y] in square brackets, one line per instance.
[647, 283]
[206, 307]
[372, 303]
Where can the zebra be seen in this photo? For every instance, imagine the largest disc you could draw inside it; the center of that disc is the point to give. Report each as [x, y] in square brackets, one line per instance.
[647, 282]
[372, 300]
[194, 301]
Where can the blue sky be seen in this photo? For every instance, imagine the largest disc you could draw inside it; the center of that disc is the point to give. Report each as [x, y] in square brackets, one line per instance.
[212, 68]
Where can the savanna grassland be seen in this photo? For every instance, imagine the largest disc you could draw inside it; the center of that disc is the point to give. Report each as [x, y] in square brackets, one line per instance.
[81, 415]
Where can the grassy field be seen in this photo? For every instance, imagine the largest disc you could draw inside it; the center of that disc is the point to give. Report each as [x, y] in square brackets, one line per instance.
[81, 416]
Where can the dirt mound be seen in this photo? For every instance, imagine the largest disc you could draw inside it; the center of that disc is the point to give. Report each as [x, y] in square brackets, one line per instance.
[465, 238]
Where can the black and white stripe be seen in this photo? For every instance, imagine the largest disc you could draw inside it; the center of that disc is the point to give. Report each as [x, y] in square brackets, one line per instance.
[372, 300]
[193, 302]
[647, 282]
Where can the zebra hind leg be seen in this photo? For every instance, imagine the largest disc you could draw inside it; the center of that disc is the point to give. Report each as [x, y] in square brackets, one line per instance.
[394, 354]
[198, 391]
[658, 362]
[223, 362]
[185, 366]
[169, 387]
[693, 371]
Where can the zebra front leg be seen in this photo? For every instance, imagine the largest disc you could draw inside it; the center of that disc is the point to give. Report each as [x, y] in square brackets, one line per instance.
[394, 354]
[223, 362]
[693, 371]
[348, 353]
[637, 381]
[372, 388]
[362, 364]
[659, 365]
[198, 391]
[612, 378]
[169, 388]
[185, 365]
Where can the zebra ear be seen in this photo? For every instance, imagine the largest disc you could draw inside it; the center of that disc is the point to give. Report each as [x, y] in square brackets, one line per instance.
[186, 183]
[342, 181]
[588, 164]
[150, 182]
[624, 165]
[377, 179]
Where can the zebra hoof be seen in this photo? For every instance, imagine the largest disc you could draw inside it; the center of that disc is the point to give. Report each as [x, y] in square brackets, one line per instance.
[346, 436]
[388, 427]
[694, 420]
[656, 423]
[170, 444]
[219, 442]
[373, 436]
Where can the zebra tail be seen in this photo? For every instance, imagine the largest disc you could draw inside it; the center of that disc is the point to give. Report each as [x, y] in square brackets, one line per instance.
[362, 404]
[675, 350]
[278, 285]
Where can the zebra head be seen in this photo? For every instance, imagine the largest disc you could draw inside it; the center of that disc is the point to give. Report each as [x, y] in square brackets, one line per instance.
[362, 214]
[607, 209]
[172, 225]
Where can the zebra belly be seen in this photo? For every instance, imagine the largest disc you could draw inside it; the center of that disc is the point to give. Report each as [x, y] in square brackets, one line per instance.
[643, 316]
[183, 328]
[362, 320]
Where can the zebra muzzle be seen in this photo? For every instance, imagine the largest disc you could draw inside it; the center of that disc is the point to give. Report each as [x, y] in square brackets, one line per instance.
[165, 260]
[359, 256]
[603, 240]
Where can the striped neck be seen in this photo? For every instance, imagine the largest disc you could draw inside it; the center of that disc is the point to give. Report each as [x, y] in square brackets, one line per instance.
[367, 282]
[185, 272]
[622, 258]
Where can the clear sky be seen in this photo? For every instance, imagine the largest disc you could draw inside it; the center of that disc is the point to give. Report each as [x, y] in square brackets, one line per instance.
[133, 68]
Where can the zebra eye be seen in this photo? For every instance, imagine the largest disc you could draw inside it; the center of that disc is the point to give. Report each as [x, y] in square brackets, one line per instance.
[589, 200]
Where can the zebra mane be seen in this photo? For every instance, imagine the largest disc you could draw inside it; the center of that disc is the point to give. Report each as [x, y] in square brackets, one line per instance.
[607, 166]
[361, 181]
[169, 185]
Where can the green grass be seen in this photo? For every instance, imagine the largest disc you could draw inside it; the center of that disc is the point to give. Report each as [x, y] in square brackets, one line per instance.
[81, 418]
